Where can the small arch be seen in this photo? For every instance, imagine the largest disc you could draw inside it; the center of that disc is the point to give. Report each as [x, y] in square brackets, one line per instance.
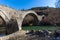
[10, 25]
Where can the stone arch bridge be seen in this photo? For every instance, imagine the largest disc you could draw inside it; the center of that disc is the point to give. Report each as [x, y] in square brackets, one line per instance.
[8, 14]
[12, 17]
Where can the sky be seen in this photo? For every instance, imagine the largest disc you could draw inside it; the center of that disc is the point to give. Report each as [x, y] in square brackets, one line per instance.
[27, 4]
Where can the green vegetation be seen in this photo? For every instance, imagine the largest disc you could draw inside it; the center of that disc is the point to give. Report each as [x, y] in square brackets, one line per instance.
[40, 28]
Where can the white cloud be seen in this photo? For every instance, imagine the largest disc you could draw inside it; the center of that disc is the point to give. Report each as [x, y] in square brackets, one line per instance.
[52, 3]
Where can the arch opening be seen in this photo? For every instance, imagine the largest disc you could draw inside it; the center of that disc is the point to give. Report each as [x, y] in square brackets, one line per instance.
[30, 20]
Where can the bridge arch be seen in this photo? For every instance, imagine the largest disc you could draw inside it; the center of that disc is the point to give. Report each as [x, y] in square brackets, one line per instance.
[31, 17]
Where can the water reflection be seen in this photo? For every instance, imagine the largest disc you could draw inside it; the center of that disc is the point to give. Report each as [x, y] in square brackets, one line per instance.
[2, 35]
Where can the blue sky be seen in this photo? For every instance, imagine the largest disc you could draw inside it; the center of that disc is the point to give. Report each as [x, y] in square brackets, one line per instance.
[26, 4]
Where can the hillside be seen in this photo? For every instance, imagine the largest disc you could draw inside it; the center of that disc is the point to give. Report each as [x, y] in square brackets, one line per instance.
[52, 15]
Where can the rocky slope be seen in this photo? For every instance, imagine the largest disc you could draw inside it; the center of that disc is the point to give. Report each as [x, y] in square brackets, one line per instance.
[52, 15]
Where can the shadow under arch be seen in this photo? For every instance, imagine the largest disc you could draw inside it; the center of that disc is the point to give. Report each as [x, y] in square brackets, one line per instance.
[8, 28]
[30, 20]
[12, 26]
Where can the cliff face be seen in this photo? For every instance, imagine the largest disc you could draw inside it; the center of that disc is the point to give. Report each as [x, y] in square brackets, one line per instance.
[52, 15]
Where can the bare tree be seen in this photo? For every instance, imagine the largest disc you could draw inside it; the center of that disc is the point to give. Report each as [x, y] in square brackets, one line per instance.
[57, 3]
